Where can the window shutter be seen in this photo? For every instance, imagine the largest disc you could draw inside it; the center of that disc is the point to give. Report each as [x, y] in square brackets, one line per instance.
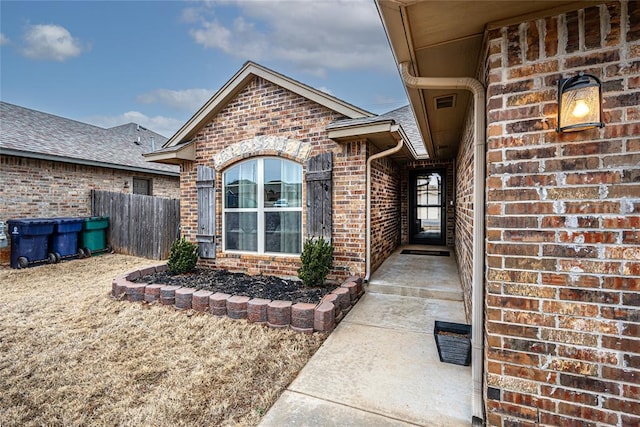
[319, 191]
[205, 235]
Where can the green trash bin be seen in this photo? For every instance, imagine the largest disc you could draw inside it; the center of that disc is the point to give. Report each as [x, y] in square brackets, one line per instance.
[94, 235]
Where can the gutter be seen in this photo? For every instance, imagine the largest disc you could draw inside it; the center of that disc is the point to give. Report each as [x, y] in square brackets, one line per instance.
[85, 162]
[477, 296]
[370, 160]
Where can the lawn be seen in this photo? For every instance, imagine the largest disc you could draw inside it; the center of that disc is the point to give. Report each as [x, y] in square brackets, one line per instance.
[70, 355]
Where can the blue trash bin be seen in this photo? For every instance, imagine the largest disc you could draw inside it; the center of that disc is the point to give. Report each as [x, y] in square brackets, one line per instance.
[64, 241]
[29, 241]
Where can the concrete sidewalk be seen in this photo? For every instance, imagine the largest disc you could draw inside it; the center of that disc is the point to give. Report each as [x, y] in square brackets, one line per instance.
[380, 367]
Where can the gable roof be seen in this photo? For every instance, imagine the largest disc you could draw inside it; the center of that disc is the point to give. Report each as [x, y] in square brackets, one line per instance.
[378, 129]
[35, 134]
[248, 72]
[404, 117]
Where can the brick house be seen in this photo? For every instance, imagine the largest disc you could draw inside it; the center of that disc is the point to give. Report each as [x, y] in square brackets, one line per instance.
[547, 223]
[268, 161]
[50, 164]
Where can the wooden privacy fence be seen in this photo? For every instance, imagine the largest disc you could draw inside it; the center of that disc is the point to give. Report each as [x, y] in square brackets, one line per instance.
[139, 225]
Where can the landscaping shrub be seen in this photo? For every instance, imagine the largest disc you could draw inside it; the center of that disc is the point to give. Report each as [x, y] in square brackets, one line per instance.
[183, 256]
[316, 257]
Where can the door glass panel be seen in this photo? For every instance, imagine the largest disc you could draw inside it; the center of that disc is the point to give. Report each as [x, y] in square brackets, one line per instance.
[427, 227]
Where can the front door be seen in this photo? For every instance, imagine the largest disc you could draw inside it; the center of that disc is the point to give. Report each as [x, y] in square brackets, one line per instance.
[427, 209]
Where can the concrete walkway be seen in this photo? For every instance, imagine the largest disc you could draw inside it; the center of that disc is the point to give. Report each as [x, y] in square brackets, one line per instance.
[380, 366]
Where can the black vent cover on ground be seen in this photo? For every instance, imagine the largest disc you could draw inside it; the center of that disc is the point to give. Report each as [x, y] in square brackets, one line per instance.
[454, 342]
[424, 252]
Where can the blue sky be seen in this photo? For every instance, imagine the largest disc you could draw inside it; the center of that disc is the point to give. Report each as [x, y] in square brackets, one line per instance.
[156, 62]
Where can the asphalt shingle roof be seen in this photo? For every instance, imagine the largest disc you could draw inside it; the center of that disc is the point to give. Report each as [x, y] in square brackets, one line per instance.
[37, 133]
[402, 116]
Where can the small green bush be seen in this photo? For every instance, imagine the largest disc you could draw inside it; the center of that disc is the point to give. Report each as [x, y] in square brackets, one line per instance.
[183, 256]
[316, 257]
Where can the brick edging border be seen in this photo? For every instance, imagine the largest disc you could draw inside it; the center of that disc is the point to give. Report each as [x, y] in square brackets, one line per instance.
[301, 317]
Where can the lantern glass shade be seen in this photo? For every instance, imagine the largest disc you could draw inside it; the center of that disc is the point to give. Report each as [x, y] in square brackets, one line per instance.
[579, 103]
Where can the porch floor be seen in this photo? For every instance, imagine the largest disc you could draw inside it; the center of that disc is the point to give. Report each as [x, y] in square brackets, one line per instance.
[424, 276]
[380, 366]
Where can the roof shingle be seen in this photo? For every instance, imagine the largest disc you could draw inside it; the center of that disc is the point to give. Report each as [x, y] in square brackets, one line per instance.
[36, 134]
[402, 116]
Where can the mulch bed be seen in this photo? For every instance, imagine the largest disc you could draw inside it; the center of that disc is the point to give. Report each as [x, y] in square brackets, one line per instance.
[266, 287]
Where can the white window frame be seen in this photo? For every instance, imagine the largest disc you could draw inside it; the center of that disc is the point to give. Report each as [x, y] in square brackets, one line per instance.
[260, 209]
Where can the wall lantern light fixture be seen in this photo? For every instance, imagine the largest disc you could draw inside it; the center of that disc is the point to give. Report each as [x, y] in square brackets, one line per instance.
[579, 103]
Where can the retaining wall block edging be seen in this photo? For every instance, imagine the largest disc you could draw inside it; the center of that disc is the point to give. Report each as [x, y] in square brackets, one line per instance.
[218, 304]
[279, 314]
[352, 287]
[344, 300]
[152, 292]
[135, 291]
[147, 270]
[257, 310]
[300, 317]
[200, 300]
[184, 297]
[237, 307]
[168, 294]
[118, 287]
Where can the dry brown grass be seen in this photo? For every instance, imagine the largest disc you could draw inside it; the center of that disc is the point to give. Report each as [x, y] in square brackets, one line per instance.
[69, 355]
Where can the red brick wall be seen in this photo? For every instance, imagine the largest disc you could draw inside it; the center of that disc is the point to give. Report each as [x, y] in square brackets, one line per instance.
[464, 213]
[349, 205]
[385, 210]
[34, 188]
[563, 246]
[264, 109]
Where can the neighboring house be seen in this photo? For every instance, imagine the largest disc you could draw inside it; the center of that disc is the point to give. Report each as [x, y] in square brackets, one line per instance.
[268, 162]
[547, 235]
[49, 165]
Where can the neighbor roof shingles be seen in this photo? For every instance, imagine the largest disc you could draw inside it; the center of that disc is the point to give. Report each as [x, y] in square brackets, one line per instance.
[37, 133]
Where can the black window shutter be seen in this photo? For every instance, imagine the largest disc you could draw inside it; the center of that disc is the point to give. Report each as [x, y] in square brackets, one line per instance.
[319, 191]
[205, 235]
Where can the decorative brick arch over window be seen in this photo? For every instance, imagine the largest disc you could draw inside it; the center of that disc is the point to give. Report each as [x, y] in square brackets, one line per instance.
[261, 146]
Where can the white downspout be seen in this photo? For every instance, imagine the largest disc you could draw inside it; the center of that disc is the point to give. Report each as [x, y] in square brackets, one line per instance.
[370, 160]
[477, 294]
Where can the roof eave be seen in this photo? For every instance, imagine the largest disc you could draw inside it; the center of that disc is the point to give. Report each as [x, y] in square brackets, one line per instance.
[65, 159]
[183, 153]
[240, 80]
[337, 132]
[376, 132]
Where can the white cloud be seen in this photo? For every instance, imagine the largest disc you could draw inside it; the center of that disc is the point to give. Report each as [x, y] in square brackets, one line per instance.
[4, 40]
[166, 126]
[187, 99]
[241, 39]
[194, 13]
[51, 42]
[315, 36]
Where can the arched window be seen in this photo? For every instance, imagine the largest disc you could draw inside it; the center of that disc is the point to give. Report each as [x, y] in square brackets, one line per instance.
[262, 206]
